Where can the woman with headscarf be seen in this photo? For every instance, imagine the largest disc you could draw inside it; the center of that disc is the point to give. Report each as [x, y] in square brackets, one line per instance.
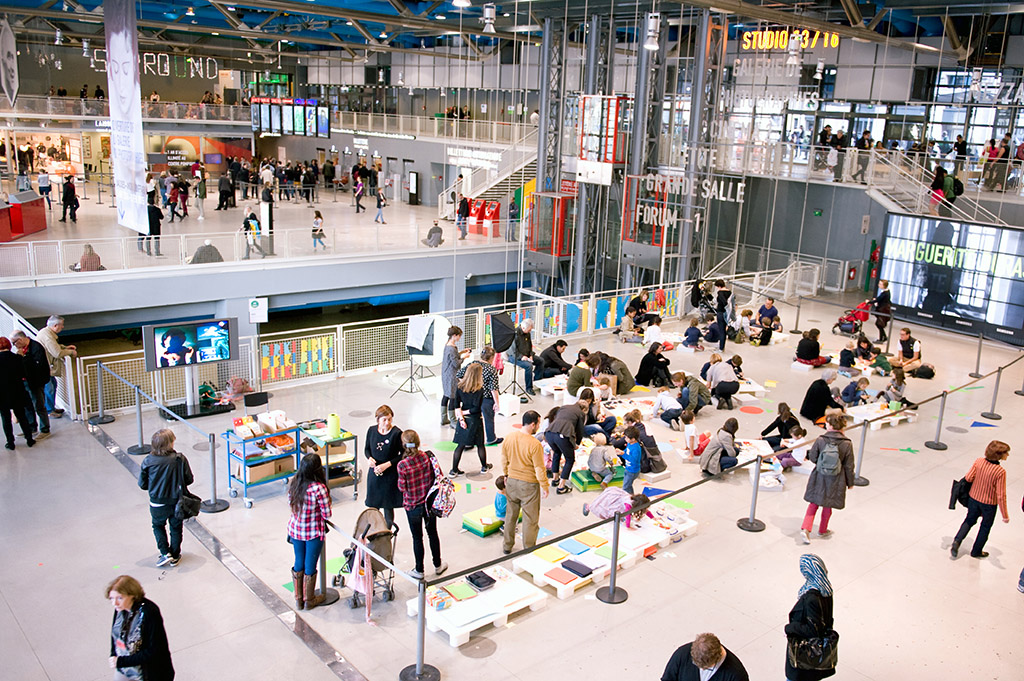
[811, 617]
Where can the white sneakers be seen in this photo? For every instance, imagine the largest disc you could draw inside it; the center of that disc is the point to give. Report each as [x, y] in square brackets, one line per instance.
[805, 536]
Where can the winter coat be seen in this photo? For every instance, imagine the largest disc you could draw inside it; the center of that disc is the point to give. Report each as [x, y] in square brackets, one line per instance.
[824, 490]
[451, 362]
[625, 378]
[711, 458]
[811, 617]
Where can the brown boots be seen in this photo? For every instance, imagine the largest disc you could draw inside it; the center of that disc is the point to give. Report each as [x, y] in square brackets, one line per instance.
[313, 599]
[300, 601]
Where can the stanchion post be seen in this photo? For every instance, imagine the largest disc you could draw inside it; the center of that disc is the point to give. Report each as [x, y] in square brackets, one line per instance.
[420, 671]
[977, 362]
[1020, 392]
[991, 414]
[752, 524]
[613, 594]
[937, 444]
[330, 595]
[213, 504]
[858, 479]
[102, 417]
[888, 335]
[796, 324]
[142, 447]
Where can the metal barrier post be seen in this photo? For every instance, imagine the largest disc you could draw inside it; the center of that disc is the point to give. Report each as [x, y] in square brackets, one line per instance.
[611, 593]
[420, 671]
[937, 444]
[330, 595]
[102, 418]
[991, 413]
[1020, 392]
[859, 480]
[752, 524]
[796, 324]
[142, 447]
[888, 335]
[213, 504]
[99, 192]
[977, 362]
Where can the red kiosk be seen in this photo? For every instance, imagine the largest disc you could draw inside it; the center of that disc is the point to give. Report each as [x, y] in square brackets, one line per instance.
[492, 216]
[476, 216]
[26, 214]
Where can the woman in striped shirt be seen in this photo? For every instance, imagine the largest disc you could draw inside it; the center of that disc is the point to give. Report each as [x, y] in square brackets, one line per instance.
[988, 490]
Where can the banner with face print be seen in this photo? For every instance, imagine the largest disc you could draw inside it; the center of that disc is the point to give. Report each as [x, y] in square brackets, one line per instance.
[127, 152]
[8, 62]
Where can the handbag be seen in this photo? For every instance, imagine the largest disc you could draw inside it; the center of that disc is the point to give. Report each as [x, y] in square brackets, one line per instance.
[188, 503]
[480, 580]
[818, 653]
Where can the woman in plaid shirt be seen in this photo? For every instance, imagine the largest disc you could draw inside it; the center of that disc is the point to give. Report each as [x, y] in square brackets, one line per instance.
[310, 502]
[415, 478]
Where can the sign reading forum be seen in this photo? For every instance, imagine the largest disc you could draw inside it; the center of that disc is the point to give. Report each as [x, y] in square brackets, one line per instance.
[127, 153]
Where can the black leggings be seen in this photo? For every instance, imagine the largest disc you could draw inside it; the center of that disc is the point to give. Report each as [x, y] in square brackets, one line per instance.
[481, 451]
[561, 448]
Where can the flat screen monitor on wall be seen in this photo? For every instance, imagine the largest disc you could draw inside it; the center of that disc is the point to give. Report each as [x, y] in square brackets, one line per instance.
[265, 118]
[960, 275]
[323, 127]
[254, 112]
[299, 113]
[275, 119]
[310, 121]
[190, 343]
[287, 119]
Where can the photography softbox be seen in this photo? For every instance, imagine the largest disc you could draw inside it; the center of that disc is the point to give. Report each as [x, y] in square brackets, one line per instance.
[425, 339]
[503, 332]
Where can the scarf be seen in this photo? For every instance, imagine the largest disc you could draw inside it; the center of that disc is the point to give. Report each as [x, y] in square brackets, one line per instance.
[814, 571]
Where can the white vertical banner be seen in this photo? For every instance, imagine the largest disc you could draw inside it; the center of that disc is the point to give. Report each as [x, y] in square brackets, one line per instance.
[127, 152]
[8, 62]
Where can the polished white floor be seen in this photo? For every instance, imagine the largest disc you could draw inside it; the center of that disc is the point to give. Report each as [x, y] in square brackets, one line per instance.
[71, 518]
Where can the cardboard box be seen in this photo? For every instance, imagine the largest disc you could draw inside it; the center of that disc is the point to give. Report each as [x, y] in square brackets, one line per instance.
[285, 465]
[257, 472]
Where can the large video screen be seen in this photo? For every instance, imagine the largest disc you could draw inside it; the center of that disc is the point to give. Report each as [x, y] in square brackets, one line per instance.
[323, 127]
[275, 119]
[961, 275]
[254, 112]
[186, 343]
[287, 119]
[310, 121]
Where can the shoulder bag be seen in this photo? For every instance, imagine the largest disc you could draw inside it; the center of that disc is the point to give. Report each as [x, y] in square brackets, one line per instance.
[816, 653]
[188, 503]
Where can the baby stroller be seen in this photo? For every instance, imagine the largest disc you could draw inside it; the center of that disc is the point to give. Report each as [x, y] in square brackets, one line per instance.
[701, 299]
[372, 530]
[852, 320]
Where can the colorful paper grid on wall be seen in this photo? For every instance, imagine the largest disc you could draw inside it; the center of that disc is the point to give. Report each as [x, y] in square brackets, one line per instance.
[297, 358]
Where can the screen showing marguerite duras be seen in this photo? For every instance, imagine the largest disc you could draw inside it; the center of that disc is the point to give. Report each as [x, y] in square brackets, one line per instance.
[185, 343]
[961, 275]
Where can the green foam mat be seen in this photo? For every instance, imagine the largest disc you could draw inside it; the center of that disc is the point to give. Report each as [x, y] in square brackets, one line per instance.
[583, 481]
[444, 446]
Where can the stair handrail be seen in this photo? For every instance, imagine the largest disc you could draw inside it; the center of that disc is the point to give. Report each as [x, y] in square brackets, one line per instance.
[912, 174]
[513, 157]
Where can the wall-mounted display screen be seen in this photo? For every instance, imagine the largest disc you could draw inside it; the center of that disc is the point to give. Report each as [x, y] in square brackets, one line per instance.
[961, 275]
[310, 121]
[287, 119]
[323, 126]
[264, 117]
[299, 114]
[254, 112]
[172, 345]
[275, 119]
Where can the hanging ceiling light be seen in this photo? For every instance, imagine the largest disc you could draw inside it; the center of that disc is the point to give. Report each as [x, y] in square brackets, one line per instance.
[383, 34]
[401, 80]
[190, 12]
[794, 50]
[57, 37]
[411, 92]
[85, 47]
[462, 3]
[366, 57]
[820, 70]
[653, 31]
[489, 15]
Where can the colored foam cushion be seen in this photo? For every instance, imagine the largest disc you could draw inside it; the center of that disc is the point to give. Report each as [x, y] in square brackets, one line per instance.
[606, 552]
[560, 575]
[584, 481]
[572, 546]
[590, 539]
[552, 554]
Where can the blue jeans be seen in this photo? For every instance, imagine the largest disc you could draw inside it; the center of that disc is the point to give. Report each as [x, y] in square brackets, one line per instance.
[161, 516]
[307, 554]
[606, 426]
[671, 414]
[460, 223]
[727, 462]
[1020, 584]
[975, 510]
[722, 326]
[487, 411]
[37, 406]
[606, 474]
[528, 367]
[627, 481]
[560, 448]
[50, 394]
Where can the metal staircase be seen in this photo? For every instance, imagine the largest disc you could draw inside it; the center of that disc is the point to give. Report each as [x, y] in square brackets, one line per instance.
[900, 183]
[518, 165]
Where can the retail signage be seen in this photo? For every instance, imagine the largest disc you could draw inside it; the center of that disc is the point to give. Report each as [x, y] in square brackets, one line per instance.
[128, 156]
[163, 64]
[785, 38]
[470, 157]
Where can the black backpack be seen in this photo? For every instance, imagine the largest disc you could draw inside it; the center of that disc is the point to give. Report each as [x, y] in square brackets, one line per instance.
[958, 186]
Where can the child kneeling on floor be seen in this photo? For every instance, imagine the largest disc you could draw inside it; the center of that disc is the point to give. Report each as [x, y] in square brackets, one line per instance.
[603, 458]
[692, 337]
[856, 392]
[614, 500]
[794, 458]
[500, 500]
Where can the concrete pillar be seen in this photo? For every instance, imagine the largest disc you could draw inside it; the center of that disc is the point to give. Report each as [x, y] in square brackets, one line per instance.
[448, 293]
[237, 307]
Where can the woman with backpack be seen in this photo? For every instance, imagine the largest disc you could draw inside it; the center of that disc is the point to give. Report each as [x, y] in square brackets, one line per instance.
[832, 456]
[416, 474]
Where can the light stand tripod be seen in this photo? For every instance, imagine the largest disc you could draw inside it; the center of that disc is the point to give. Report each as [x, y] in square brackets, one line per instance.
[413, 385]
[524, 397]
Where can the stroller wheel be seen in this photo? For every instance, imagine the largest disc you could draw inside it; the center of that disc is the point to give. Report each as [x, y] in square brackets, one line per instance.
[388, 595]
[835, 329]
[354, 603]
[339, 581]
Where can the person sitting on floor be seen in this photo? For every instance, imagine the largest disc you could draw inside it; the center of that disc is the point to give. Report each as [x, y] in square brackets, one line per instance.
[846, 355]
[895, 391]
[205, 254]
[653, 332]
[741, 326]
[808, 350]
[554, 365]
[713, 334]
[908, 352]
[616, 500]
[667, 407]
[434, 237]
[818, 399]
[602, 461]
[855, 392]
[627, 329]
[762, 335]
[720, 453]
[654, 368]
[692, 336]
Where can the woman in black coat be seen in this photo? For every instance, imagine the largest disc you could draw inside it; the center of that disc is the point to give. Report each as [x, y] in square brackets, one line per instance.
[12, 394]
[819, 397]
[811, 617]
[384, 450]
[138, 641]
[883, 309]
[654, 368]
[469, 426]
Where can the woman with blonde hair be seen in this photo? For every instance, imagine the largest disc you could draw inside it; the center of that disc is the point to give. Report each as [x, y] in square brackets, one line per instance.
[138, 641]
[469, 427]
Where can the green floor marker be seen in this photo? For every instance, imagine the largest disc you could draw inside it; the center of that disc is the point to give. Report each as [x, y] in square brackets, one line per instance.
[444, 446]
[469, 488]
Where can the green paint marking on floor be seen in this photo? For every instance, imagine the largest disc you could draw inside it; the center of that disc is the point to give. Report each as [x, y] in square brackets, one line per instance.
[444, 446]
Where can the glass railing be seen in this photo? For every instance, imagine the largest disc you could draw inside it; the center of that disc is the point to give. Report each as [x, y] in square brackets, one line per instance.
[72, 106]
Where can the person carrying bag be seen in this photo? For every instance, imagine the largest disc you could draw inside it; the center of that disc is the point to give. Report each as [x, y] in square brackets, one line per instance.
[812, 649]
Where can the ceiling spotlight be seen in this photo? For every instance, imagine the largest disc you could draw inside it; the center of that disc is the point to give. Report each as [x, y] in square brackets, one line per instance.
[653, 31]
[348, 23]
[489, 14]
[366, 58]
[190, 12]
[411, 92]
[57, 37]
[401, 80]
[506, 14]
[230, 8]
[821, 69]
[85, 47]
[380, 75]
[794, 50]
[383, 34]
[462, 3]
